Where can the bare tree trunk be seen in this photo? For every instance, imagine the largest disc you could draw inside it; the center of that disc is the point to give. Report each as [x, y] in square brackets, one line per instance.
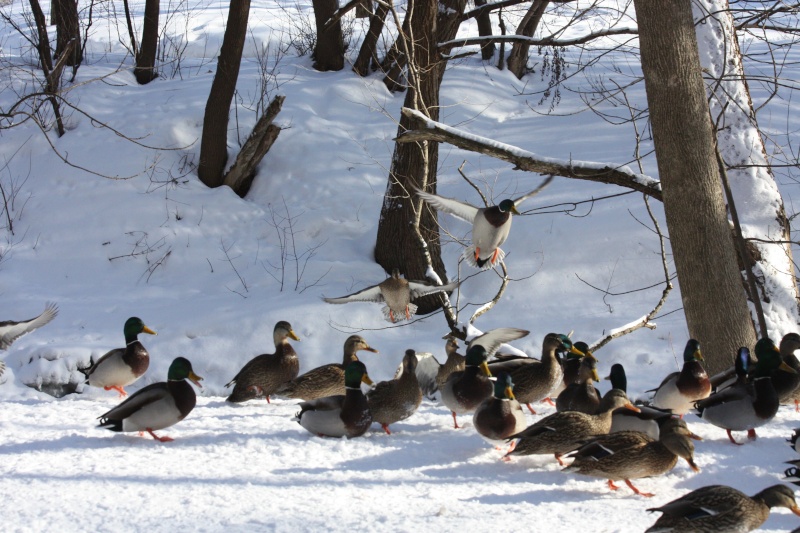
[68, 29]
[131, 33]
[414, 165]
[760, 204]
[518, 56]
[485, 30]
[145, 70]
[714, 301]
[367, 55]
[329, 51]
[214, 143]
[52, 73]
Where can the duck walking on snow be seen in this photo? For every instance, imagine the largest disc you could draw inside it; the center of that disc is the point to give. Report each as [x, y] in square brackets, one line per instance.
[397, 293]
[397, 399]
[490, 225]
[266, 373]
[718, 508]
[499, 416]
[122, 366]
[679, 390]
[156, 406]
[344, 415]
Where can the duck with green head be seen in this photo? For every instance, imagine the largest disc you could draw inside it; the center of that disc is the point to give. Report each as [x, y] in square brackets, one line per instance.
[120, 367]
[718, 509]
[499, 416]
[751, 401]
[156, 406]
[679, 390]
[266, 373]
[464, 391]
[490, 225]
[346, 415]
[648, 418]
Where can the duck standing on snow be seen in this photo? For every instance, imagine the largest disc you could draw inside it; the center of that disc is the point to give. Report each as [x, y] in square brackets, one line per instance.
[499, 416]
[679, 390]
[156, 406]
[582, 395]
[536, 380]
[646, 420]
[345, 415]
[566, 431]
[632, 455]
[432, 374]
[265, 373]
[490, 225]
[11, 330]
[397, 293]
[464, 391]
[718, 508]
[122, 366]
[746, 404]
[397, 399]
[325, 380]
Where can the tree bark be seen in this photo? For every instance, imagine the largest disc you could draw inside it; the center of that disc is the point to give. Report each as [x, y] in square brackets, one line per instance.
[329, 50]
[414, 165]
[214, 142]
[367, 55]
[485, 30]
[714, 301]
[145, 70]
[759, 202]
[517, 61]
[68, 29]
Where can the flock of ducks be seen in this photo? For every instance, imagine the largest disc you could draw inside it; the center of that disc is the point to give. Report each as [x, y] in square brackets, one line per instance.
[604, 436]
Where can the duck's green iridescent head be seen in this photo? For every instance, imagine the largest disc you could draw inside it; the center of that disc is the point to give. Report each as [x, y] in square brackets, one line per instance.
[477, 356]
[769, 359]
[181, 369]
[354, 374]
[692, 351]
[617, 377]
[134, 326]
[504, 387]
[507, 205]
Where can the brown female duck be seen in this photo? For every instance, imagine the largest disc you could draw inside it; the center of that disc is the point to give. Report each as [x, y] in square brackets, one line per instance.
[581, 395]
[632, 455]
[264, 374]
[396, 399]
[432, 374]
[717, 508]
[564, 432]
[325, 380]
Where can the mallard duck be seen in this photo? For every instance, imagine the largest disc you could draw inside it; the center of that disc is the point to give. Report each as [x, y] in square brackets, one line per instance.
[571, 365]
[793, 474]
[787, 384]
[325, 380]
[794, 442]
[717, 508]
[564, 432]
[679, 390]
[500, 415]
[396, 399]
[490, 225]
[344, 415]
[536, 380]
[645, 421]
[464, 391]
[265, 373]
[746, 405]
[122, 366]
[397, 293]
[11, 330]
[581, 396]
[156, 406]
[632, 455]
[432, 374]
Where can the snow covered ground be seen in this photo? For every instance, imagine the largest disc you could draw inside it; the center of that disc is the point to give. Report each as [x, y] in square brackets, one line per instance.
[203, 268]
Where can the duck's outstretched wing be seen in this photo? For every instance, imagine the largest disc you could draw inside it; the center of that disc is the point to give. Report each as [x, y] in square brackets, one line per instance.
[456, 208]
[491, 340]
[534, 192]
[370, 294]
[11, 331]
[421, 288]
